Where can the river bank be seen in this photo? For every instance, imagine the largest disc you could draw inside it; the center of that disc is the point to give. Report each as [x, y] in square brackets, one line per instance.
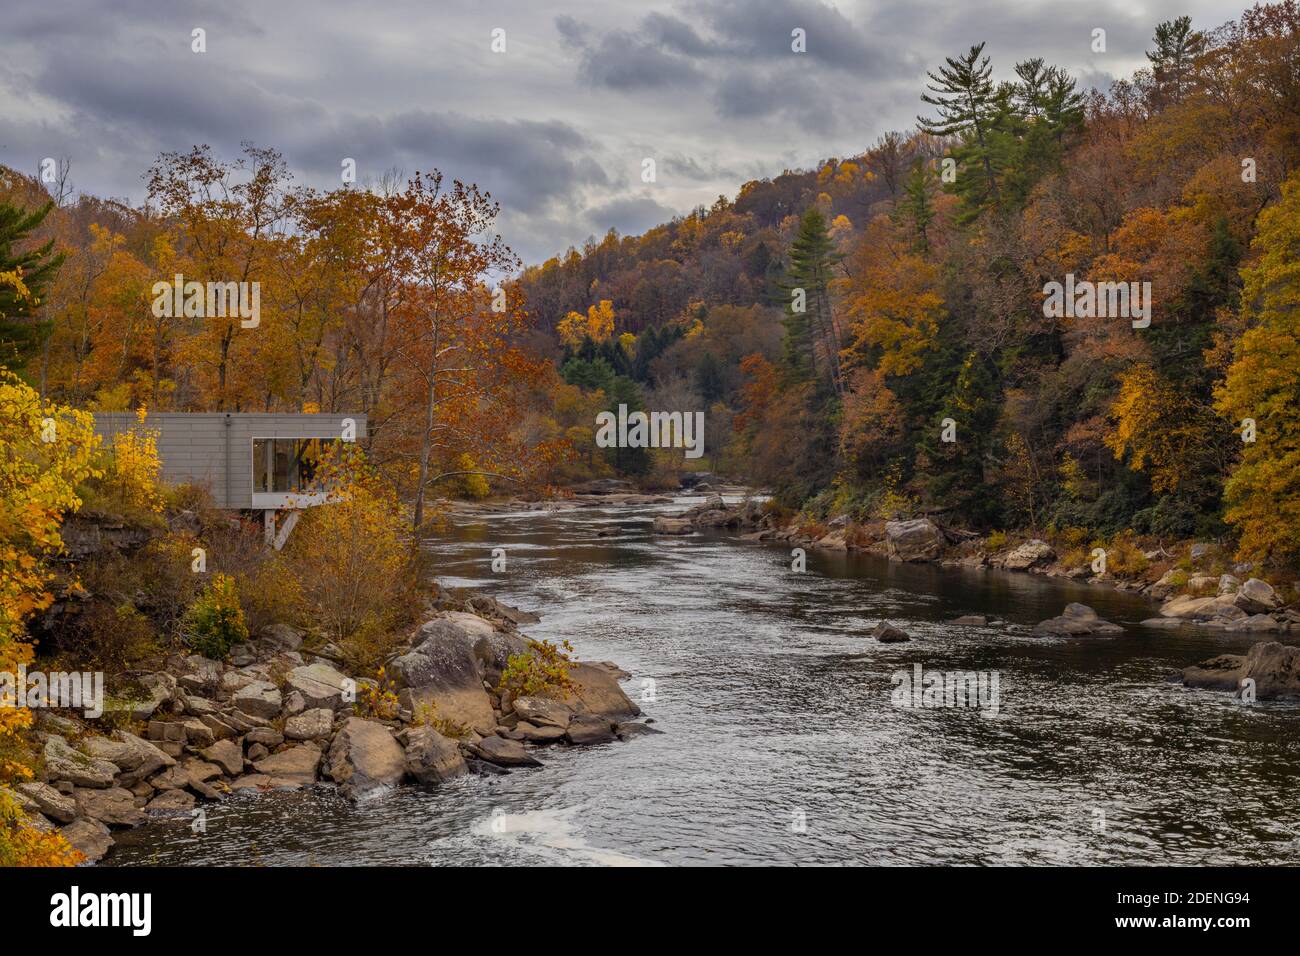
[466, 693]
[777, 709]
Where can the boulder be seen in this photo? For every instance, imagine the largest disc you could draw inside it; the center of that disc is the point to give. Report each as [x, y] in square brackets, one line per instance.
[1229, 584]
[171, 802]
[970, 620]
[113, 807]
[535, 734]
[47, 800]
[1274, 667]
[1257, 597]
[227, 755]
[666, 525]
[1028, 555]
[259, 699]
[200, 771]
[90, 837]
[888, 634]
[1077, 619]
[280, 638]
[1189, 608]
[543, 711]
[444, 671]
[310, 724]
[587, 729]
[918, 539]
[136, 759]
[432, 758]
[268, 737]
[174, 778]
[597, 691]
[64, 763]
[318, 684]
[505, 753]
[292, 768]
[364, 759]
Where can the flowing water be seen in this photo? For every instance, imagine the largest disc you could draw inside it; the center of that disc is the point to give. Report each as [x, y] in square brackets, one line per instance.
[781, 743]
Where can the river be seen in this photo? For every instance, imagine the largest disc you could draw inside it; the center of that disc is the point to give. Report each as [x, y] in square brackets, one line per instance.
[780, 741]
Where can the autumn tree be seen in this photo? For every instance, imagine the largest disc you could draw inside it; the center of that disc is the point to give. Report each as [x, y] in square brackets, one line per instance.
[1263, 382]
[47, 451]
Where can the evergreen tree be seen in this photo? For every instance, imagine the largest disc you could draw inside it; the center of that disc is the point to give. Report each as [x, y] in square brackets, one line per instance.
[812, 341]
[1177, 46]
[24, 278]
[968, 106]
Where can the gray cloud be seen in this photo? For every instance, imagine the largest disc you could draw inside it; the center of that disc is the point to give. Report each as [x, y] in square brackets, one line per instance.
[555, 128]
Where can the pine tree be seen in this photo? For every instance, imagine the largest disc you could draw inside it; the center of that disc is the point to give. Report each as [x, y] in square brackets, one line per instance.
[812, 340]
[24, 277]
[968, 106]
[1177, 46]
[916, 206]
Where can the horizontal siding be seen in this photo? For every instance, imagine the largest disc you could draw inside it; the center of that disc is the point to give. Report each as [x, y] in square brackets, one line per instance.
[193, 447]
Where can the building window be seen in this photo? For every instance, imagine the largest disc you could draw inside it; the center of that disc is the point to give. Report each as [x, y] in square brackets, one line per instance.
[285, 464]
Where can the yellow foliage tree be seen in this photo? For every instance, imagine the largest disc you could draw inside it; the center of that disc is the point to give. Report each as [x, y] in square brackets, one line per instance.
[45, 451]
[598, 324]
[1263, 382]
[1161, 430]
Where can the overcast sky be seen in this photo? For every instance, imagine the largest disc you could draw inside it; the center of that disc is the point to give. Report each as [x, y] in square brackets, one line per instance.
[557, 126]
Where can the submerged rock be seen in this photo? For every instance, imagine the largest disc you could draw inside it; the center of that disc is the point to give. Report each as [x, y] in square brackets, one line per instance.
[665, 525]
[886, 633]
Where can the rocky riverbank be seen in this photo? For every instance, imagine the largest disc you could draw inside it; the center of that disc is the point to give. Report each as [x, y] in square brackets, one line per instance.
[1221, 601]
[279, 716]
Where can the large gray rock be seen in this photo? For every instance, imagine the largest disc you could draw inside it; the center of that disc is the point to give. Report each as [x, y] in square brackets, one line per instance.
[90, 837]
[364, 759]
[292, 768]
[1274, 667]
[444, 672]
[918, 539]
[1028, 555]
[319, 685]
[227, 755]
[57, 806]
[1077, 619]
[431, 757]
[1257, 597]
[543, 711]
[114, 807]
[587, 729]
[64, 763]
[137, 759]
[259, 699]
[505, 753]
[310, 724]
[597, 691]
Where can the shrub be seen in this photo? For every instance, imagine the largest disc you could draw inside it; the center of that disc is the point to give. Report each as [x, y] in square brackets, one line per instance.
[995, 541]
[215, 622]
[352, 558]
[542, 673]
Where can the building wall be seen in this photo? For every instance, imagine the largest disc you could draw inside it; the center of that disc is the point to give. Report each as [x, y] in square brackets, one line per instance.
[200, 448]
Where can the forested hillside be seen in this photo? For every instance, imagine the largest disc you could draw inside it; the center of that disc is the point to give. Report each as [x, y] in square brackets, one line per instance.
[870, 337]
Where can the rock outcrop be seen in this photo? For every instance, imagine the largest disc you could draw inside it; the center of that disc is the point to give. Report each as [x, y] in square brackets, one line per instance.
[1274, 667]
[1075, 620]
